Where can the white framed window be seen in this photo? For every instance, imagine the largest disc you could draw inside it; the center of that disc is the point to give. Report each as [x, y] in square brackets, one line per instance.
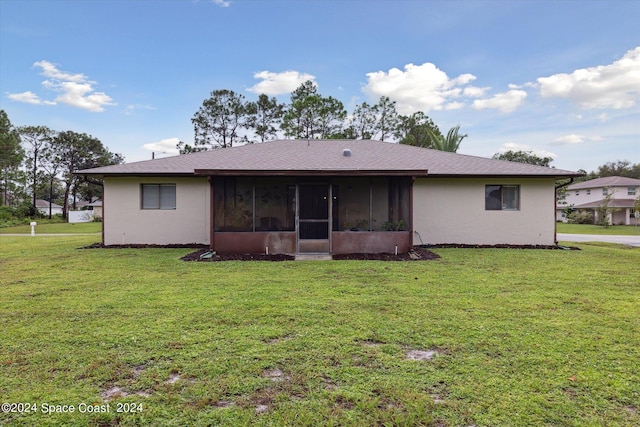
[502, 197]
[158, 196]
[577, 192]
[605, 191]
[589, 192]
[631, 191]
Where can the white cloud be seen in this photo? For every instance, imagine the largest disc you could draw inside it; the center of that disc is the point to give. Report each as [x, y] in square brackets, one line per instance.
[29, 98]
[279, 83]
[132, 108]
[453, 106]
[74, 89]
[569, 139]
[474, 91]
[50, 70]
[506, 102]
[165, 146]
[222, 3]
[574, 139]
[420, 88]
[616, 85]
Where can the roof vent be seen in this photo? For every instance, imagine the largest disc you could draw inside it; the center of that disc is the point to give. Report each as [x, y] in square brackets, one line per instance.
[346, 152]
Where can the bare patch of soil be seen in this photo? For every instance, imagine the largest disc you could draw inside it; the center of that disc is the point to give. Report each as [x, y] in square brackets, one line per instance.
[276, 375]
[416, 254]
[421, 354]
[202, 256]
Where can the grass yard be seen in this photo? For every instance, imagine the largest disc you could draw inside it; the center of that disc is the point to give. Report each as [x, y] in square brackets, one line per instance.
[516, 337]
[618, 230]
[55, 228]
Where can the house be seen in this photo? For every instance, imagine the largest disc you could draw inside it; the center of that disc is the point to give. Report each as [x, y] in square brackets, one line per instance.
[95, 208]
[590, 195]
[43, 207]
[327, 196]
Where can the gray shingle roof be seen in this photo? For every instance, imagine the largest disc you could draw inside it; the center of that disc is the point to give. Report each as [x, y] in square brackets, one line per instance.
[614, 203]
[608, 181]
[301, 157]
[44, 204]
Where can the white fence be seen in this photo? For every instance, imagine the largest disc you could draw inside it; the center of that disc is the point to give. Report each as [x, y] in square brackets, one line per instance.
[80, 216]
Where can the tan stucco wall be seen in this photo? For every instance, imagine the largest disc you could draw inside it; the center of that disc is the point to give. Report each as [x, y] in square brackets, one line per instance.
[126, 223]
[453, 211]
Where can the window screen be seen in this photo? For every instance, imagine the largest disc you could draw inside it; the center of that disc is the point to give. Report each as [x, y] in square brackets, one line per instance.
[502, 197]
[158, 196]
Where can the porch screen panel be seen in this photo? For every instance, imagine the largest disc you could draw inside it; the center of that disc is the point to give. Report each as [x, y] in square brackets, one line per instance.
[275, 204]
[399, 203]
[352, 199]
[380, 204]
[233, 198]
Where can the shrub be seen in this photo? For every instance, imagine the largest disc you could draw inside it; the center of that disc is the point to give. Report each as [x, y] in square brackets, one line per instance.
[580, 217]
[16, 215]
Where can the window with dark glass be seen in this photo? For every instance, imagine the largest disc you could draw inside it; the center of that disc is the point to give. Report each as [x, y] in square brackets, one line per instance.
[502, 197]
[158, 196]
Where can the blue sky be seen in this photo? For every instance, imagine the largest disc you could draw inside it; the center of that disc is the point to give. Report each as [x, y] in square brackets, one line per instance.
[559, 78]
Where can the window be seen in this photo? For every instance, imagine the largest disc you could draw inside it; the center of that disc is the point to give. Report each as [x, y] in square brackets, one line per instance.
[158, 196]
[605, 191]
[577, 192]
[588, 192]
[631, 191]
[502, 197]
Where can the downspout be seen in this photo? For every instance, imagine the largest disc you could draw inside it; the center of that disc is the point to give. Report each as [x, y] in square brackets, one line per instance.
[555, 198]
[411, 230]
[212, 215]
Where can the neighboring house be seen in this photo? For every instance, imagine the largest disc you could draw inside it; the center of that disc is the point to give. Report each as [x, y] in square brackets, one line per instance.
[85, 211]
[327, 196]
[589, 196]
[43, 207]
[96, 208]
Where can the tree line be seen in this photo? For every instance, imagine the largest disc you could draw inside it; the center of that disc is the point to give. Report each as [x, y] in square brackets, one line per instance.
[618, 168]
[226, 119]
[38, 163]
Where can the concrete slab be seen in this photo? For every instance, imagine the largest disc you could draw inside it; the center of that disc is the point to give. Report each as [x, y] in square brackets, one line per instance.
[313, 257]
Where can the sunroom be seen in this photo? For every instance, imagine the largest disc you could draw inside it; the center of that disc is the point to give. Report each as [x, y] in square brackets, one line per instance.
[304, 214]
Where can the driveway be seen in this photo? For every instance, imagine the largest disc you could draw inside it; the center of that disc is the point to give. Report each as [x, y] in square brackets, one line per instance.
[624, 240]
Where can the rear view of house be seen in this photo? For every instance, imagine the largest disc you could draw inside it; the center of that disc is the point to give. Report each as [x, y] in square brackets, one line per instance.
[327, 196]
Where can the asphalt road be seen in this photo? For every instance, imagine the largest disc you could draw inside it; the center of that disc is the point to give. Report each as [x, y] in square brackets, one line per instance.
[625, 240]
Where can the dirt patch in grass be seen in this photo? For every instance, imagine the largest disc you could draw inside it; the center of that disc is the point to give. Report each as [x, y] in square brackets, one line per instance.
[198, 256]
[421, 354]
[416, 254]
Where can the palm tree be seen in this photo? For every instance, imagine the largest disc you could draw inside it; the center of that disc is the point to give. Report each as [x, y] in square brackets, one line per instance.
[449, 143]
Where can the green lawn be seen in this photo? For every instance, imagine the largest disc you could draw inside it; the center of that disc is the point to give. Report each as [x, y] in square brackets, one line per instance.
[55, 228]
[620, 230]
[521, 338]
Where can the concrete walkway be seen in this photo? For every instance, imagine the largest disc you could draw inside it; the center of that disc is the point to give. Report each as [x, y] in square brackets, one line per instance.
[624, 240]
